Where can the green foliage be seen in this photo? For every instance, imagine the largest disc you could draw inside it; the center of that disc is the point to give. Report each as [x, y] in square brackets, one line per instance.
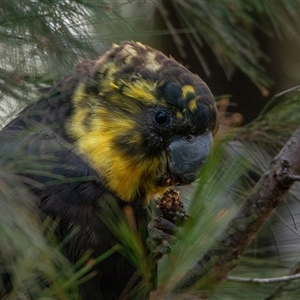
[234, 167]
[42, 40]
[229, 29]
[35, 266]
[210, 205]
[275, 124]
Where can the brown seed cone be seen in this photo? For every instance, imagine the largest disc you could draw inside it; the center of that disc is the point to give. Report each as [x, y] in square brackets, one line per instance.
[171, 207]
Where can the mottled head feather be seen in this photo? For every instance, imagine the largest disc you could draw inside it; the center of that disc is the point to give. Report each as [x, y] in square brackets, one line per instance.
[132, 66]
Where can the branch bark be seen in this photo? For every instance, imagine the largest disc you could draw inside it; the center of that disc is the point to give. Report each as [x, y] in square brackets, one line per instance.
[268, 193]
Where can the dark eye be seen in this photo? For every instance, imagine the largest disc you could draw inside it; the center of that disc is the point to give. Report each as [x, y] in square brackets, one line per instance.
[190, 137]
[162, 118]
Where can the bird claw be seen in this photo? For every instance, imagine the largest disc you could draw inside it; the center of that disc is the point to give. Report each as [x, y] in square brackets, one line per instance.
[161, 236]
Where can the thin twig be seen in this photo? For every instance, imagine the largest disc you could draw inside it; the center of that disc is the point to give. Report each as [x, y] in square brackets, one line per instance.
[264, 280]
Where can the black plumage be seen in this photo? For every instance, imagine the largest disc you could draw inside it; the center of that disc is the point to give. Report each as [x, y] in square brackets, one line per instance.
[77, 189]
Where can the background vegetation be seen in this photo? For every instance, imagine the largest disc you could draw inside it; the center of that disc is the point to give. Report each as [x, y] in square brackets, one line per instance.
[244, 50]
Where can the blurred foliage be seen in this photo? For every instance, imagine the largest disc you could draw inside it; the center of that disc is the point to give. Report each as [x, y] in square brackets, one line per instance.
[275, 250]
[275, 124]
[34, 265]
[207, 217]
[229, 29]
[42, 40]
[39, 42]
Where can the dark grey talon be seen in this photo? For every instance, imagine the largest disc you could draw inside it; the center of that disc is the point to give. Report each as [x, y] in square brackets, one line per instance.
[160, 236]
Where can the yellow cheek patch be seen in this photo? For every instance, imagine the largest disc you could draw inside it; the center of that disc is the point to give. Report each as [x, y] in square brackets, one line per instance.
[122, 174]
[141, 90]
[126, 175]
[128, 179]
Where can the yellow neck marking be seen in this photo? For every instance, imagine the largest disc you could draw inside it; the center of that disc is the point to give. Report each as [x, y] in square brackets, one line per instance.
[127, 176]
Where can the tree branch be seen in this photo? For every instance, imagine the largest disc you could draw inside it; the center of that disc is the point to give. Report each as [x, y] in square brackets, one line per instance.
[268, 193]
